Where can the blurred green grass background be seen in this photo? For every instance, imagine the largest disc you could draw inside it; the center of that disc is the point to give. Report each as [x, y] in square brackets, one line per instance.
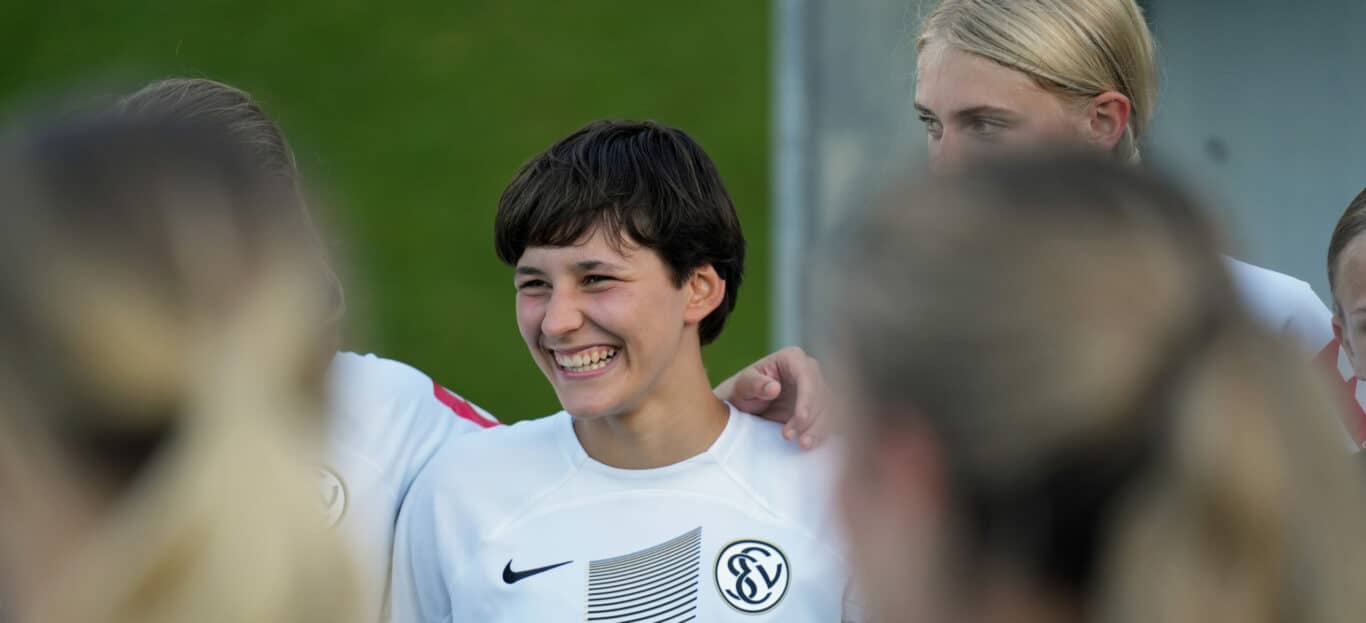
[414, 115]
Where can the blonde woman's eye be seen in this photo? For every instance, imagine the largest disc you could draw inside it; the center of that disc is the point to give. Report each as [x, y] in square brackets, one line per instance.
[986, 127]
[931, 125]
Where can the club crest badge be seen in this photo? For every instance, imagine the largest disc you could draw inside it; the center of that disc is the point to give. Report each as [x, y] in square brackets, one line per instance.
[332, 495]
[752, 576]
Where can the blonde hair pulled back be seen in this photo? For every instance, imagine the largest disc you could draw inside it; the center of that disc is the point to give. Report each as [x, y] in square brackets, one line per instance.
[1075, 48]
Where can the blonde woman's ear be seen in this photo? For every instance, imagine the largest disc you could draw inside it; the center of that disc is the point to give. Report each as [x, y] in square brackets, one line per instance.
[1107, 118]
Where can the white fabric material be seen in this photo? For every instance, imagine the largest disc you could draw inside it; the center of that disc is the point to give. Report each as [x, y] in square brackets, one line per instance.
[386, 423]
[527, 496]
[1284, 304]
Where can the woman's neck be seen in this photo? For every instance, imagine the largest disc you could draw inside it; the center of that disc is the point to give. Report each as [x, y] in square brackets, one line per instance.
[680, 418]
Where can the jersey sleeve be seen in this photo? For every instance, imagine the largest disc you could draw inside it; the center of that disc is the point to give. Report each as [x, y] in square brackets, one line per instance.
[452, 416]
[1309, 323]
[419, 578]
[448, 416]
[470, 416]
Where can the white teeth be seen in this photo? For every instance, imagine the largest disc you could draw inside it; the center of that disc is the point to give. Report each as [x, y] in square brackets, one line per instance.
[596, 359]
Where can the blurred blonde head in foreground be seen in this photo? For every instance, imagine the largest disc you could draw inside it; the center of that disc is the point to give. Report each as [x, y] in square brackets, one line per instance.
[160, 369]
[1059, 413]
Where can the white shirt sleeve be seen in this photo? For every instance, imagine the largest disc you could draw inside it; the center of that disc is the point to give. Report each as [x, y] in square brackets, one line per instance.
[453, 417]
[1310, 322]
[388, 421]
[418, 581]
[1283, 304]
[469, 415]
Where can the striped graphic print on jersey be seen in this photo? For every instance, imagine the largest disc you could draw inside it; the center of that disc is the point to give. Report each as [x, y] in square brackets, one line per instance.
[654, 585]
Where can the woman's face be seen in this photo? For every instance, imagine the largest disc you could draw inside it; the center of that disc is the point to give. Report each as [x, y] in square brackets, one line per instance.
[605, 324]
[971, 106]
[1350, 291]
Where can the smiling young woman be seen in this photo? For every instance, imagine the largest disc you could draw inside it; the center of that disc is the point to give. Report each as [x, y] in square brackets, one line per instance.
[627, 258]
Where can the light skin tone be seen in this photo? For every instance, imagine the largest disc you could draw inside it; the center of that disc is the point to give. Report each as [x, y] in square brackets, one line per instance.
[972, 106]
[787, 386]
[1349, 291]
[618, 340]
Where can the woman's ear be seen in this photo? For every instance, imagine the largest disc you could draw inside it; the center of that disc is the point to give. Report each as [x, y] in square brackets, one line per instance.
[706, 290]
[1107, 118]
[1339, 332]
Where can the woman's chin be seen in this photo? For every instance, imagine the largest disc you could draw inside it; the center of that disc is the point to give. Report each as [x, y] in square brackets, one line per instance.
[588, 409]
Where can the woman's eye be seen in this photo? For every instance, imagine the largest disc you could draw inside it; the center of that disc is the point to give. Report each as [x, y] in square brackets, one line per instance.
[596, 280]
[932, 126]
[986, 127]
[533, 284]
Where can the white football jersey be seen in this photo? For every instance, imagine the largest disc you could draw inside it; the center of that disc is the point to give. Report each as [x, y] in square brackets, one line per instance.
[387, 420]
[1283, 304]
[520, 524]
[1290, 307]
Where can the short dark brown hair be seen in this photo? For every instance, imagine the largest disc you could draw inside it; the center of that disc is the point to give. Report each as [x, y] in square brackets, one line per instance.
[1349, 228]
[642, 183]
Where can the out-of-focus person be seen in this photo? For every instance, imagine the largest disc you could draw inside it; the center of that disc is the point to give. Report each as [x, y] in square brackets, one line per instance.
[160, 383]
[1057, 411]
[999, 76]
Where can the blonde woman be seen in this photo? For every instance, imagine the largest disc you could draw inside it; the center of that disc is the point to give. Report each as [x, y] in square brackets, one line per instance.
[1006, 75]
[160, 402]
[1125, 449]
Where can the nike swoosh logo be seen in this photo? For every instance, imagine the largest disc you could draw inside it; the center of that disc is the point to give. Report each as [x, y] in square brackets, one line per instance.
[513, 577]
